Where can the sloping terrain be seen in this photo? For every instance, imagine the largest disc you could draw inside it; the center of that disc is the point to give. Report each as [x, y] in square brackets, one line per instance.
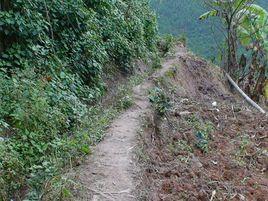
[208, 144]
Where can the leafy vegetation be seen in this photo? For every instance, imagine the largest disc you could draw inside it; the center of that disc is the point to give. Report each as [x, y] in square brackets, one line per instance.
[181, 18]
[246, 24]
[203, 131]
[53, 55]
[253, 35]
[159, 100]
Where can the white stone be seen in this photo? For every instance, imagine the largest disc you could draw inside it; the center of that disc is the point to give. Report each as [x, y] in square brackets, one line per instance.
[214, 104]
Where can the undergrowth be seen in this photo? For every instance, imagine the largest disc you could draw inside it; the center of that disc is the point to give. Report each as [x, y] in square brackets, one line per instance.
[159, 100]
[53, 56]
[38, 153]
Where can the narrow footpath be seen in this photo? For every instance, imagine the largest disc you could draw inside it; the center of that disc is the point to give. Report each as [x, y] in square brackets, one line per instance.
[108, 174]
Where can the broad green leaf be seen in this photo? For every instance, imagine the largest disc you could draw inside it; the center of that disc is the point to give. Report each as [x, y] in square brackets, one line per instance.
[212, 13]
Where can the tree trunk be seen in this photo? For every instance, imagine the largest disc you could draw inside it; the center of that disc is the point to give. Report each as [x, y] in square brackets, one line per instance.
[4, 5]
[232, 64]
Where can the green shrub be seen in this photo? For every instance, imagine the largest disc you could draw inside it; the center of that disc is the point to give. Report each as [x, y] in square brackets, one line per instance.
[203, 130]
[83, 36]
[37, 131]
[165, 44]
[160, 101]
[125, 102]
[52, 58]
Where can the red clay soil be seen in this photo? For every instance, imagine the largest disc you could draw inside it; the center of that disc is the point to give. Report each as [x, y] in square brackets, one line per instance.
[231, 163]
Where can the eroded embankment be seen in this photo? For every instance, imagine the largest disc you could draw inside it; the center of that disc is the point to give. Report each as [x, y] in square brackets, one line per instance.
[208, 145]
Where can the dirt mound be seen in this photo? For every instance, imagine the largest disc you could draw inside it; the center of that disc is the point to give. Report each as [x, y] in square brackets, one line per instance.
[199, 79]
[211, 146]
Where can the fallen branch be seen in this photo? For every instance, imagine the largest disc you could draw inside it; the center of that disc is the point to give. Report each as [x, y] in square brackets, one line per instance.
[248, 99]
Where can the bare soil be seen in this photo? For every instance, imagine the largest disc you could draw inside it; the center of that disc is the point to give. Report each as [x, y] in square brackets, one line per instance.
[229, 161]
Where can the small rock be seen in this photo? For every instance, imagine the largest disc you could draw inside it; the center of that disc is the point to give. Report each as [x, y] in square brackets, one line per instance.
[214, 104]
[214, 162]
[196, 162]
[184, 100]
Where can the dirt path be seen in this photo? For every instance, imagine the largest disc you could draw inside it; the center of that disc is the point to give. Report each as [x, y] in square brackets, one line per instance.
[108, 173]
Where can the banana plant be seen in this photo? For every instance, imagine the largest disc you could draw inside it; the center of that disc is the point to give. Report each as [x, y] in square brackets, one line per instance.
[227, 11]
[219, 5]
[254, 27]
[250, 26]
[253, 34]
[252, 21]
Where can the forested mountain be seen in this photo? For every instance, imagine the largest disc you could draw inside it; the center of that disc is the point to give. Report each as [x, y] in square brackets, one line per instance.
[181, 17]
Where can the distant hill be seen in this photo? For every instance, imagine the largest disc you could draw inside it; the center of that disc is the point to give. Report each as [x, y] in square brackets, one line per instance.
[180, 17]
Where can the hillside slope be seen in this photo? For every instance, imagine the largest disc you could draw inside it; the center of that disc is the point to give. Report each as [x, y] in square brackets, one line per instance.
[201, 142]
[188, 148]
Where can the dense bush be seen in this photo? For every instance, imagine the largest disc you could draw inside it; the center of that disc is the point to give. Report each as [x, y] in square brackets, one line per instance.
[83, 35]
[52, 58]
